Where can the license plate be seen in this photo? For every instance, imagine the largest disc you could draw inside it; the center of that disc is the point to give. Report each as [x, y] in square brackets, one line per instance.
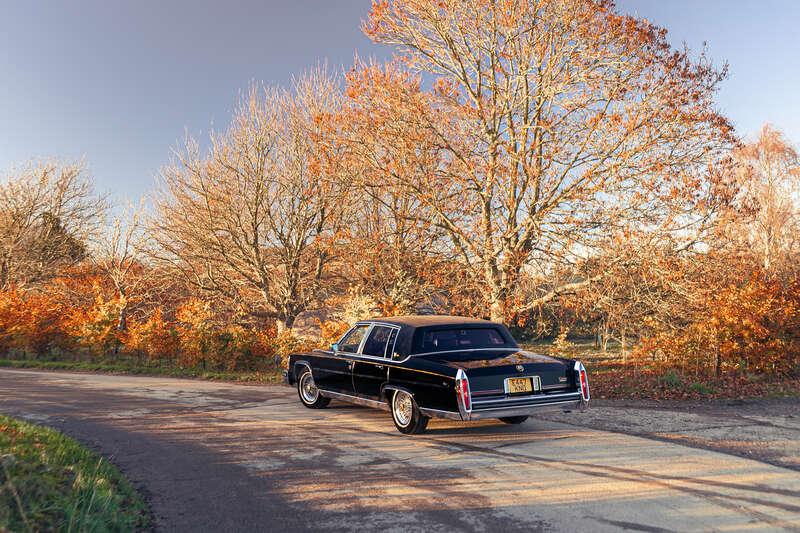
[521, 385]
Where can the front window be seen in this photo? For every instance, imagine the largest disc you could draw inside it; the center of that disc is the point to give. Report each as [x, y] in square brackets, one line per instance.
[352, 340]
[440, 340]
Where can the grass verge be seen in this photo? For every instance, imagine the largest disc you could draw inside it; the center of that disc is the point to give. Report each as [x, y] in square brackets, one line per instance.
[272, 376]
[50, 482]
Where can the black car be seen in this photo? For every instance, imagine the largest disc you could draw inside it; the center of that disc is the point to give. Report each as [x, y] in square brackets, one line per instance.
[419, 367]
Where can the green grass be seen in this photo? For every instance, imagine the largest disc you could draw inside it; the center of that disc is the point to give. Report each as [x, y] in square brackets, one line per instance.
[270, 376]
[49, 482]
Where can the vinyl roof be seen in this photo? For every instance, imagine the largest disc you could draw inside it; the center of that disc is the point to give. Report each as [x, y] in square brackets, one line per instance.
[417, 321]
[412, 328]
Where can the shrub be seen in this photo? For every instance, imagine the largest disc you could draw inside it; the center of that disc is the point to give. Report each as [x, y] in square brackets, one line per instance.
[155, 338]
[31, 322]
[671, 380]
[751, 327]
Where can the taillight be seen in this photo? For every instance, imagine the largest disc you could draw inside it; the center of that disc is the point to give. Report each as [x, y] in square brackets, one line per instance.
[583, 379]
[462, 389]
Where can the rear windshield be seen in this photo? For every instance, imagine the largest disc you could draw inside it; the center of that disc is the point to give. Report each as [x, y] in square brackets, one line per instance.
[440, 340]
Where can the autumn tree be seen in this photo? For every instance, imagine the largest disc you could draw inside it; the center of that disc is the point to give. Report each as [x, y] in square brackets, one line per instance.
[556, 125]
[404, 263]
[765, 212]
[251, 221]
[48, 211]
[119, 254]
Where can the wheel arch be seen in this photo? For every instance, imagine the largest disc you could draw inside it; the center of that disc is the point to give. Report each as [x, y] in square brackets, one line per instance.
[296, 369]
[390, 387]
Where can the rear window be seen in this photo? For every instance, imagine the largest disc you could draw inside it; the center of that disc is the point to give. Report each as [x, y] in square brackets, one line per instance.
[439, 340]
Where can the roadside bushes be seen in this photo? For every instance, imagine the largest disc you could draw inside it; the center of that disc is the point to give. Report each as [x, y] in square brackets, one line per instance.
[197, 338]
[39, 324]
[31, 323]
[749, 327]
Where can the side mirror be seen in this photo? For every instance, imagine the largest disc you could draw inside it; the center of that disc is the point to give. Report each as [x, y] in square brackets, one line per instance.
[396, 356]
[335, 346]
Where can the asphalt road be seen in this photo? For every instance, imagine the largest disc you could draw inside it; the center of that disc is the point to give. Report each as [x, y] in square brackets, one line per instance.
[221, 457]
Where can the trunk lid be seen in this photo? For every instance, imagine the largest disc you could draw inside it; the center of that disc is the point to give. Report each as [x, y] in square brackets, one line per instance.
[488, 369]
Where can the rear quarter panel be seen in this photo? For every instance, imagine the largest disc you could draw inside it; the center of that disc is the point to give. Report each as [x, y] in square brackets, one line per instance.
[432, 385]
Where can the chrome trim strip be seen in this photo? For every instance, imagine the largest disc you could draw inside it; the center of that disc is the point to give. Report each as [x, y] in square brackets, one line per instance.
[388, 362]
[578, 368]
[370, 327]
[496, 412]
[362, 357]
[354, 399]
[462, 409]
[531, 397]
[389, 386]
[488, 392]
[364, 340]
[554, 387]
[526, 410]
[437, 413]
[378, 323]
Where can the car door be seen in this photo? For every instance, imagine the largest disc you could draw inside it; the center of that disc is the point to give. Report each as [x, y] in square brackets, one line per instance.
[370, 370]
[335, 370]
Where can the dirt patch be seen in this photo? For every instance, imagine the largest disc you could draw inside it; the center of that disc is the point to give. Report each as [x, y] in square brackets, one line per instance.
[767, 430]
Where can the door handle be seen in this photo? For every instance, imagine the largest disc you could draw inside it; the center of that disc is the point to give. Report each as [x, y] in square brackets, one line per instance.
[350, 364]
[379, 367]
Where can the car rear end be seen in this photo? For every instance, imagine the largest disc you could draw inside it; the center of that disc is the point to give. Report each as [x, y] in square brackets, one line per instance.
[497, 388]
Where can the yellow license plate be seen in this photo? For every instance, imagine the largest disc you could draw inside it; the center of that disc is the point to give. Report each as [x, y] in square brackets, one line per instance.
[518, 385]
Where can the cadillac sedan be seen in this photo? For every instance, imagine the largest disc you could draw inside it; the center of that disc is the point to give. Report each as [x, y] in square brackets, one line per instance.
[418, 367]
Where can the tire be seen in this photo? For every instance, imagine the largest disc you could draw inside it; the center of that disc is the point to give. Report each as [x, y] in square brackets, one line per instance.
[513, 419]
[406, 415]
[308, 391]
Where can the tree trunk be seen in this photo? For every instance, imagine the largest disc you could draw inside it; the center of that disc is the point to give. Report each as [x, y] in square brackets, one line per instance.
[122, 320]
[496, 311]
[282, 325]
[624, 352]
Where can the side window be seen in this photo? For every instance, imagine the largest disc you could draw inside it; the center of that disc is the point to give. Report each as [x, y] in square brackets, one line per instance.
[378, 341]
[352, 340]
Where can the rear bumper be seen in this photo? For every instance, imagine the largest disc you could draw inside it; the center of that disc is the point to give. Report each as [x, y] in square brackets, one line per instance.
[527, 410]
[505, 408]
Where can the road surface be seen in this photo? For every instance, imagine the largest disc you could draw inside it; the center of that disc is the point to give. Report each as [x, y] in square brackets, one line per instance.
[222, 457]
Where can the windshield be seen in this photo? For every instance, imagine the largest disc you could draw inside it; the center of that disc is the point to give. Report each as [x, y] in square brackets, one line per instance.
[441, 340]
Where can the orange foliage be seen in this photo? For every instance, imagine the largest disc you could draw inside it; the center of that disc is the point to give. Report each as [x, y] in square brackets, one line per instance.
[30, 322]
[753, 327]
[81, 318]
[332, 330]
[154, 338]
[94, 328]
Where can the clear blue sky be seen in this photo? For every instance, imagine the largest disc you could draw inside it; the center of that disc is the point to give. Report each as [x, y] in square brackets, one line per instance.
[118, 83]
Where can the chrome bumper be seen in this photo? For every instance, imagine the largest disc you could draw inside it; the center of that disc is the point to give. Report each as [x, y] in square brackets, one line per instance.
[527, 410]
[504, 408]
